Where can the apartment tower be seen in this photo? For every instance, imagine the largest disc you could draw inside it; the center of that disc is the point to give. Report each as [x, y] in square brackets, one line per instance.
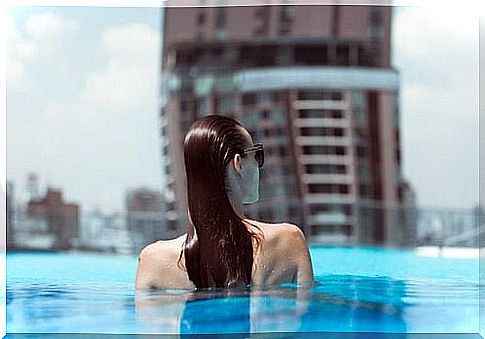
[314, 84]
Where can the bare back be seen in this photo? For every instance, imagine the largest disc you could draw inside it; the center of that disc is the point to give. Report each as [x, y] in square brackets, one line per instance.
[282, 257]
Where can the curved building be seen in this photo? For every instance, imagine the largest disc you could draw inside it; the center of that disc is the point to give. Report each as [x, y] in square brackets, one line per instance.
[315, 85]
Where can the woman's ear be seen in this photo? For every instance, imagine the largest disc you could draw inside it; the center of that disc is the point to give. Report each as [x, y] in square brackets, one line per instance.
[236, 163]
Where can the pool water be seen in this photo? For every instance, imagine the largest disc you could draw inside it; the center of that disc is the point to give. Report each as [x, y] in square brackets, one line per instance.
[356, 290]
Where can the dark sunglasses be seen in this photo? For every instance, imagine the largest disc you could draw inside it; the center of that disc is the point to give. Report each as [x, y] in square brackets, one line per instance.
[259, 155]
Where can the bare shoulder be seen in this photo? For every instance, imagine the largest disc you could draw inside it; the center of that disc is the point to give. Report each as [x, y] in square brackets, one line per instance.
[161, 249]
[157, 264]
[286, 234]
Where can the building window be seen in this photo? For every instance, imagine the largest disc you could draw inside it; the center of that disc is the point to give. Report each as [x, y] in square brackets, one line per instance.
[265, 114]
[364, 191]
[343, 189]
[220, 18]
[286, 18]
[336, 114]
[249, 99]
[200, 18]
[262, 17]
[322, 131]
[361, 151]
[325, 169]
[282, 151]
[376, 16]
[310, 55]
[343, 55]
[318, 208]
[320, 188]
[324, 150]
[320, 95]
[328, 188]
[321, 113]
[165, 150]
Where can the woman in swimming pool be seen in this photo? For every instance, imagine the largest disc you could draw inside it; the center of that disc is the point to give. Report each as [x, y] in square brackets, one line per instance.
[223, 248]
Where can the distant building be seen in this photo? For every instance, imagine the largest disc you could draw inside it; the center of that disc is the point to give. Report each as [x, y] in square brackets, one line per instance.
[408, 218]
[147, 218]
[10, 214]
[479, 223]
[62, 218]
[105, 233]
[32, 186]
[315, 85]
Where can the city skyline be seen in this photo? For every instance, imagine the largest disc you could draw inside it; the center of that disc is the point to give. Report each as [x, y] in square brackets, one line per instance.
[125, 45]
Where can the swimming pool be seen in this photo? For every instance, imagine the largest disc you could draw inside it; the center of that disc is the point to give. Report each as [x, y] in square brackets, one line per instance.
[357, 290]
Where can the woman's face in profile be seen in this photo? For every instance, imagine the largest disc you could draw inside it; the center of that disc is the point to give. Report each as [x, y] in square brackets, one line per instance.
[250, 176]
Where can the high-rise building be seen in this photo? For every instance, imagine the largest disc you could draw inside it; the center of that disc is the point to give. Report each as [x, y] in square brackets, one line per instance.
[315, 85]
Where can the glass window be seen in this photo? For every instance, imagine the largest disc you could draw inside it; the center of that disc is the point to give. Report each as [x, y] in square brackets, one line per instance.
[282, 151]
[249, 99]
[361, 151]
[325, 150]
[320, 188]
[322, 131]
[265, 114]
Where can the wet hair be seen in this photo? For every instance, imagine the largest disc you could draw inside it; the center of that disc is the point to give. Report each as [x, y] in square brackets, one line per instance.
[218, 249]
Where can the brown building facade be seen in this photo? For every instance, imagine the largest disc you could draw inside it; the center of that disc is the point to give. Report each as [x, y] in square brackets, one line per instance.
[315, 85]
[62, 218]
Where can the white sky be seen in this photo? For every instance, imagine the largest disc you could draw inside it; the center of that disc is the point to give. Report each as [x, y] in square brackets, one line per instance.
[83, 84]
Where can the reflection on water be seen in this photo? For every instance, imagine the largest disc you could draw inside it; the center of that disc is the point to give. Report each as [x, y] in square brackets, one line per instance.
[276, 309]
[337, 303]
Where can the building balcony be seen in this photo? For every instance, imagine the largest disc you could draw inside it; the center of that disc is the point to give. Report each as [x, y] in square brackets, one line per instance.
[320, 104]
[328, 178]
[305, 77]
[320, 159]
[321, 122]
[315, 198]
[321, 140]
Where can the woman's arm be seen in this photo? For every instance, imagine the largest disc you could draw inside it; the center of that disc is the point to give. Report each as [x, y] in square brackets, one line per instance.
[299, 248]
[146, 272]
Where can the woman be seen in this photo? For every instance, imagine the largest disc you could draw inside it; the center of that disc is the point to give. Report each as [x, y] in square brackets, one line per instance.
[223, 248]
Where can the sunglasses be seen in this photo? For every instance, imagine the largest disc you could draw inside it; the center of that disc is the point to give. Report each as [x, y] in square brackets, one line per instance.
[259, 155]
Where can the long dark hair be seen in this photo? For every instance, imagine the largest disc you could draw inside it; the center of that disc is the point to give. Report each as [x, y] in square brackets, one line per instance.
[218, 249]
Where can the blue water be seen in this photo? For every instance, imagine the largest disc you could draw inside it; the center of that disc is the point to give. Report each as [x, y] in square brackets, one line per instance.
[357, 290]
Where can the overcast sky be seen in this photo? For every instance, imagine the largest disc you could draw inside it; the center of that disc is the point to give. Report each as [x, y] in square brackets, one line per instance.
[82, 96]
